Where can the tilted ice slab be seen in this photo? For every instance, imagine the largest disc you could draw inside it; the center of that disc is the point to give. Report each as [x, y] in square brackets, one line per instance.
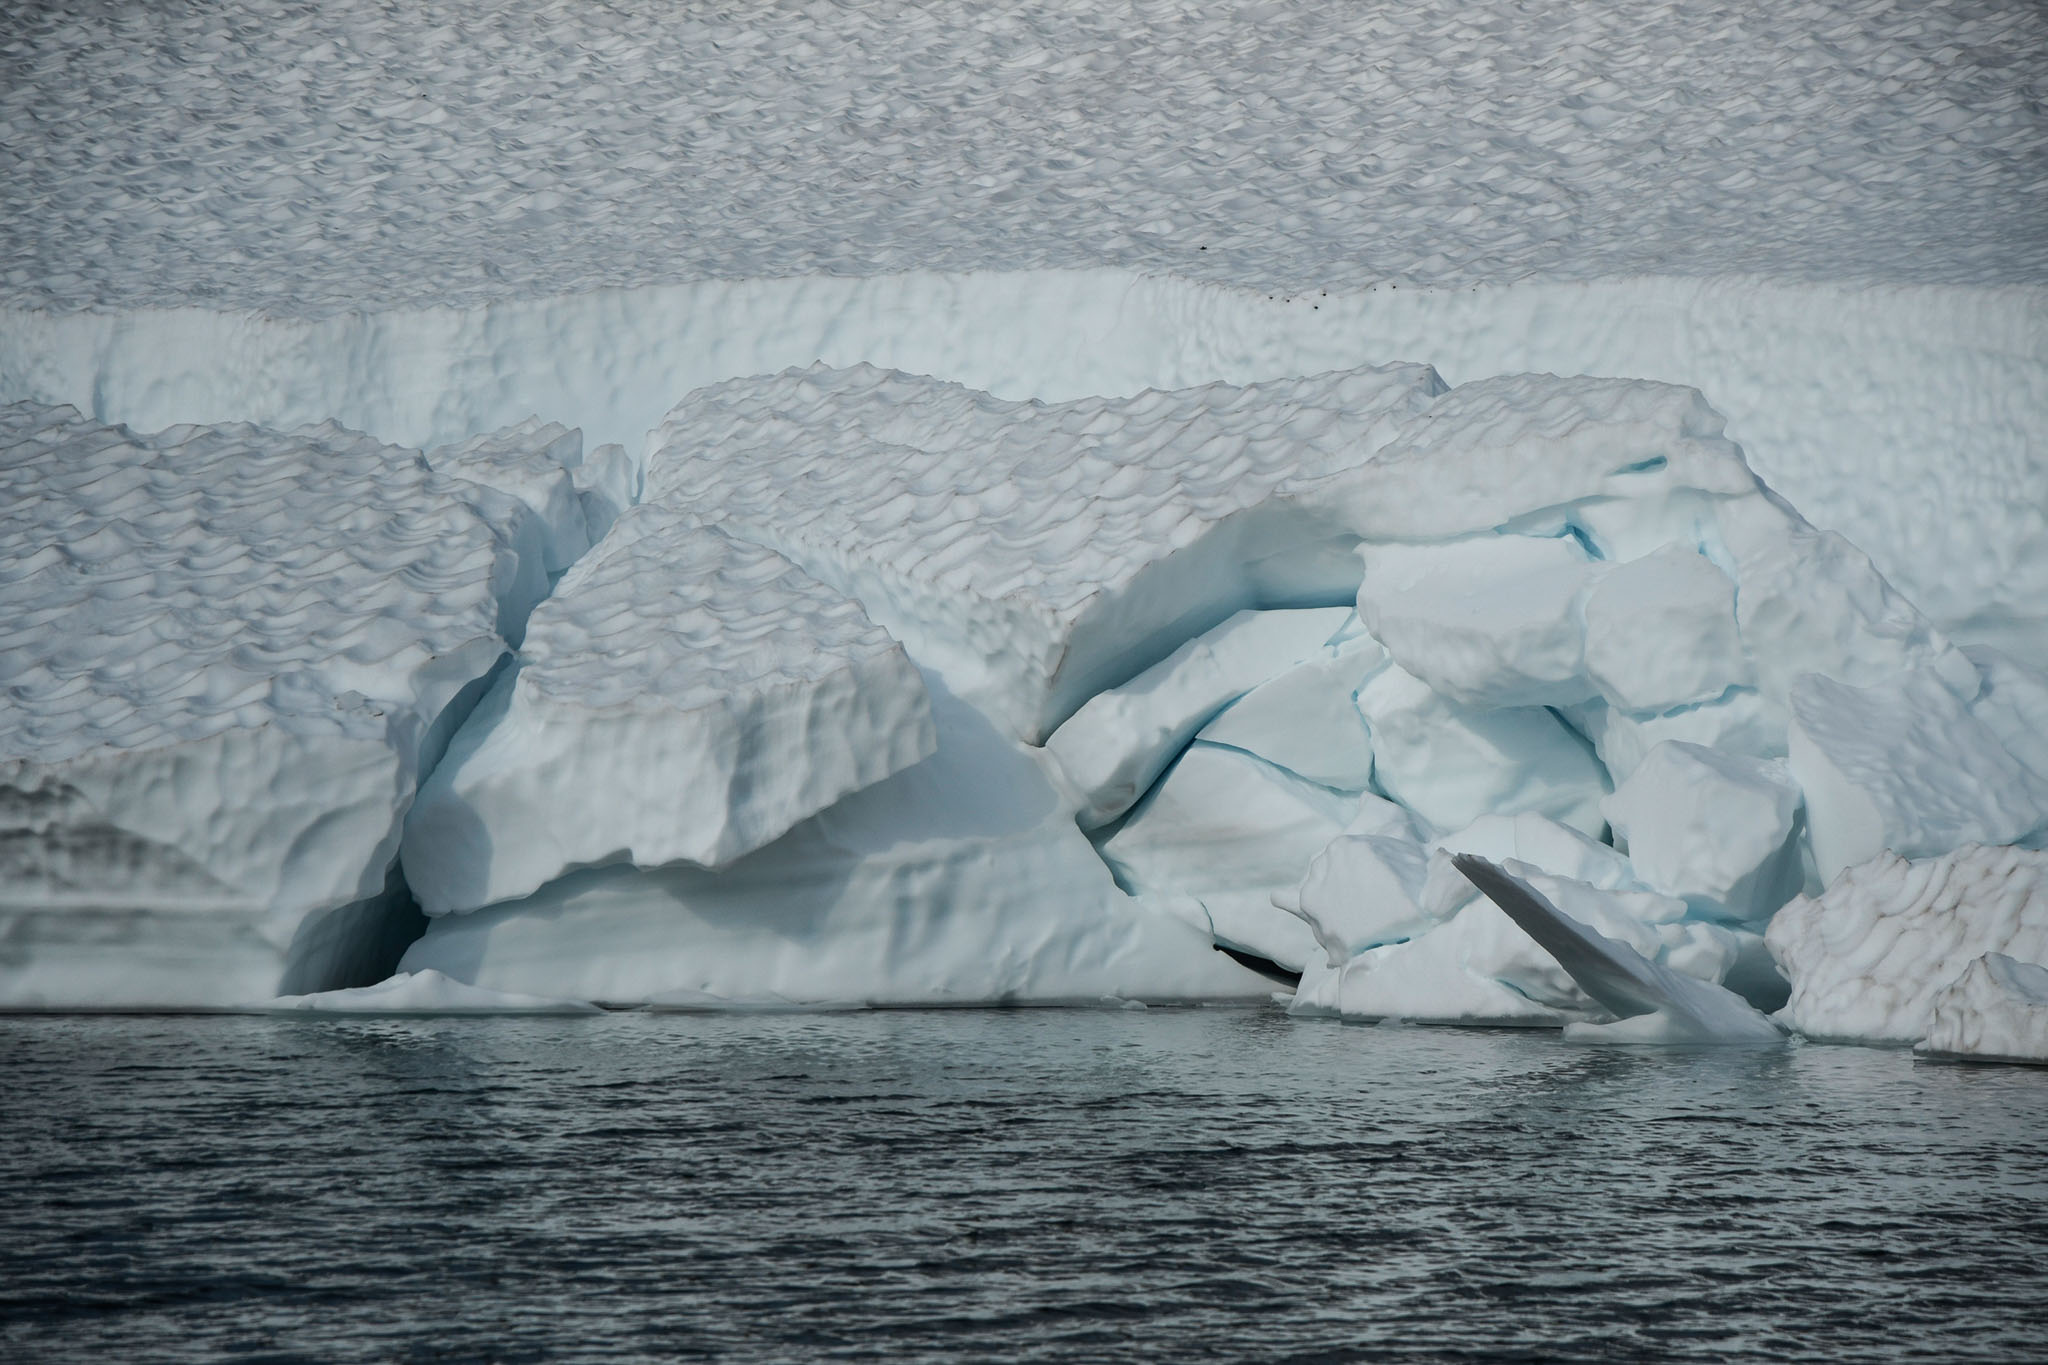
[961, 880]
[1113, 748]
[229, 654]
[1650, 1002]
[682, 697]
[1036, 554]
[1409, 936]
[1996, 1011]
[1868, 958]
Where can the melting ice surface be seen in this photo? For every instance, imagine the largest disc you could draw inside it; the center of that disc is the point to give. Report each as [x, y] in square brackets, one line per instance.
[1199, 1185]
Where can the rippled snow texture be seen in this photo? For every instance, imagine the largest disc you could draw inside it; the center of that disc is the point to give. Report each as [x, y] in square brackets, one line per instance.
[162, 589]
[1021, 548]
[299, 157]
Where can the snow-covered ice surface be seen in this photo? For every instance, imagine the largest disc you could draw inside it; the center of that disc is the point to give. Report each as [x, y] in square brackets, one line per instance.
[191, 231]
[1299, 147]
[228, 656]
[1996, 1011]
[1036, 554]
[682, 696]
[1868, 958]
[533, 462]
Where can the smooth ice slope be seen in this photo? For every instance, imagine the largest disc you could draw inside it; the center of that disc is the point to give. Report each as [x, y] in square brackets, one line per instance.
[1867, 959]
[961, 880]
[682, 697]
[1036, 554]
[227, 656]
[1996, 1011]
[1651, 1003]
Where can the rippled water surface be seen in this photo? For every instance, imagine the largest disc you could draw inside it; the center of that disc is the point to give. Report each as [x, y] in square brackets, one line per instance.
[1178, 1185]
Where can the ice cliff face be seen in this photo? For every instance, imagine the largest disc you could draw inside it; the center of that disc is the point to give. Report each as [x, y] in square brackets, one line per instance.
[890, 691]
[230, 654]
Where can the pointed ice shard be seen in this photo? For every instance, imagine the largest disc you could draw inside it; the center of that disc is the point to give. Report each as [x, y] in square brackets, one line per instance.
[1687, 1009]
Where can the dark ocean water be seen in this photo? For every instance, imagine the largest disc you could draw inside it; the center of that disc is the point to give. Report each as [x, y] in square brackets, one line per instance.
[1198, 1185]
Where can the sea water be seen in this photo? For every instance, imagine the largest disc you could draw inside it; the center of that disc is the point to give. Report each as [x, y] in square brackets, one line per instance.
[1183, 1185]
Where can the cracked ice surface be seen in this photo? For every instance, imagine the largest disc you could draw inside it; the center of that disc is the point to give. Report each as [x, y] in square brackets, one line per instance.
[445, 153]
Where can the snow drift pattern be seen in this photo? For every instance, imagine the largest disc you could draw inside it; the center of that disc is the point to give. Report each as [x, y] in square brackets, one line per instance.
[230, 652]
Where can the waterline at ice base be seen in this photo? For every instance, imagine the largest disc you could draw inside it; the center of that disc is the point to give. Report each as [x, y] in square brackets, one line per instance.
[1355, 552]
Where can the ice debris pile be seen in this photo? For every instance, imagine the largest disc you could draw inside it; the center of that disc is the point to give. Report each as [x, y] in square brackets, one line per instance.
[877, 689]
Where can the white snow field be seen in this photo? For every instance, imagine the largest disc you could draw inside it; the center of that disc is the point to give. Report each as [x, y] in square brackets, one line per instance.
[429, 223]
[1070, 487]
[229, 655]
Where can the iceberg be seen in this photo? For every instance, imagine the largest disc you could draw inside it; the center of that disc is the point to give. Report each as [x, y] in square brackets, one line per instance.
[1902, 766]
[1118, 743]
[1718, 830]
[682, 696]
[1306, 719]
[231, 653]
[1541, 517]
[530, 462]
[1230, 830]
[1451, 764]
